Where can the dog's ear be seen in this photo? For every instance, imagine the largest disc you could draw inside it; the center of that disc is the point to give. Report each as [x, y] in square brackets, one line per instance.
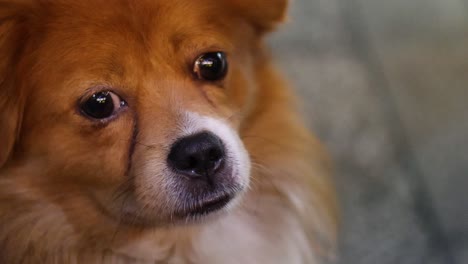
[265, 15]
[11, 98]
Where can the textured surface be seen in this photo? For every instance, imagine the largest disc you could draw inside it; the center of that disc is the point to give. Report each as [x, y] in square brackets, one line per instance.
[385, 85]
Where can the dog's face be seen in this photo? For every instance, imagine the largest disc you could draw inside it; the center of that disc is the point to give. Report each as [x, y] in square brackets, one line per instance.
[133, 108]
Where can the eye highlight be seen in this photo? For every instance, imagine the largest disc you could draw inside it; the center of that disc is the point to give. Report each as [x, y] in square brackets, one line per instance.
[102, 105]
[211, 66]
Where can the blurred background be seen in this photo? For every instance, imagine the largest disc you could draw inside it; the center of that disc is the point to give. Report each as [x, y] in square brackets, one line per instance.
[384, 83]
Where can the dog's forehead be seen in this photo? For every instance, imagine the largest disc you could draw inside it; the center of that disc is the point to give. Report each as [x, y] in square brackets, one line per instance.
[141, 21]
[103, 33]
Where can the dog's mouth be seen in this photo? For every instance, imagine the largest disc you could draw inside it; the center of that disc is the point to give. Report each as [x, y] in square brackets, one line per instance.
[206, 206]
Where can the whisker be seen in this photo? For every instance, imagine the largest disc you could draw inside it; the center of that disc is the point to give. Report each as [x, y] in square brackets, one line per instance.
[120, 221]
[273, 143]
[155, 145]
[233, 115]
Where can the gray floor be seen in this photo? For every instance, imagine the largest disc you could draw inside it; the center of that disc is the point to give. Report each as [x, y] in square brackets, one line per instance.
[385, 85]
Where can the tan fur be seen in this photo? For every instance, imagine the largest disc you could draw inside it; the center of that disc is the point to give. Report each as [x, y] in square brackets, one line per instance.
[59, 173]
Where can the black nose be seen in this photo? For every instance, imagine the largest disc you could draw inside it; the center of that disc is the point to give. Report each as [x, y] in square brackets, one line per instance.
[197, 156]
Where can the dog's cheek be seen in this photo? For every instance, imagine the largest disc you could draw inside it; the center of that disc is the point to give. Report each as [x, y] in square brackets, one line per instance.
[92, 156]
[113, 153]
[239, 89]
[239, 93]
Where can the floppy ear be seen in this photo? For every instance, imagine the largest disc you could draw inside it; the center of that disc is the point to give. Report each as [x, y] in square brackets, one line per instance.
[265, 15]
[11, 102]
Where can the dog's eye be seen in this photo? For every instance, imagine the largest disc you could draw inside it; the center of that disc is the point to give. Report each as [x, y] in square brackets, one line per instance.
[102, 105]
[211, 66]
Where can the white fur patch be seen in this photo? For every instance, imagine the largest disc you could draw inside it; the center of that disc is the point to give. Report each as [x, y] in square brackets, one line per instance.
[243, 238]
[238, 156]
[148, 247]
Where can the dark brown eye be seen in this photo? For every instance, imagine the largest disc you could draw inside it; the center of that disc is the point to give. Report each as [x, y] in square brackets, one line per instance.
[102, 105]
[211, 66]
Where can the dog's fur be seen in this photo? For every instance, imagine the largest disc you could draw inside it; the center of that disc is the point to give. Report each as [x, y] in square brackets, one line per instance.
[62, 176]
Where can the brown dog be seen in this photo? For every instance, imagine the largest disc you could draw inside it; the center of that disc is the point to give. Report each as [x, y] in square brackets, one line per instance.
[153, 131]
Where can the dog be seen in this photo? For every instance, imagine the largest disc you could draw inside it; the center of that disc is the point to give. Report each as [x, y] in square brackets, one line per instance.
[154, 131]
